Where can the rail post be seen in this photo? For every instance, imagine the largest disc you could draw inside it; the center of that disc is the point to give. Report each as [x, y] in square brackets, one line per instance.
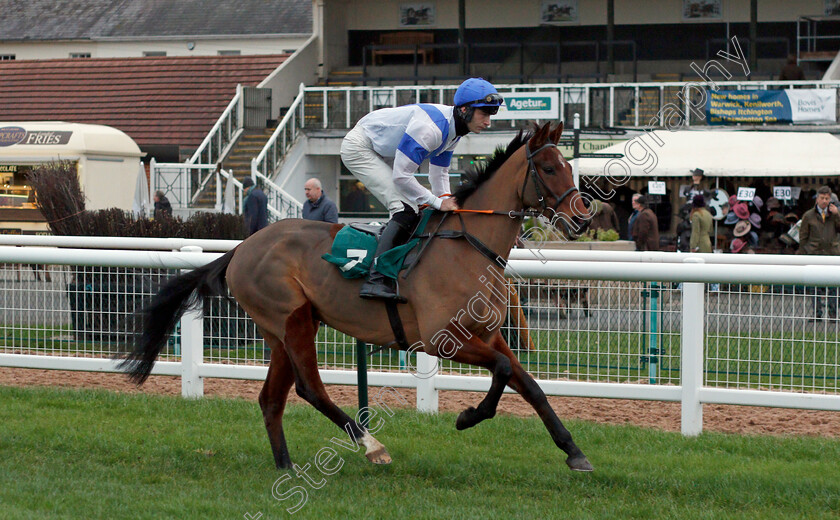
[427, 394]
[192, 346]
[691, 362]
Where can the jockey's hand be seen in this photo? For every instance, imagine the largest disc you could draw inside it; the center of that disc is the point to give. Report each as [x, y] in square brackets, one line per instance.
[448, 205]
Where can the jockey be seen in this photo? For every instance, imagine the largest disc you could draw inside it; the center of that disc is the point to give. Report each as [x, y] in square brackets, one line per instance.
[409, 135]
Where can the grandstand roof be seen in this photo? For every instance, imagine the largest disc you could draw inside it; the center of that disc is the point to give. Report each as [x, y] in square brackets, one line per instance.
[155, 100]
[126, 19]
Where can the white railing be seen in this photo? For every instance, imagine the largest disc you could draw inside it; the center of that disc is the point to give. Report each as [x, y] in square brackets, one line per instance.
[268, 161]
[639, 104]
[266, 164]
[223, 134]
[695, 346]
[231, 200]
[183, 184]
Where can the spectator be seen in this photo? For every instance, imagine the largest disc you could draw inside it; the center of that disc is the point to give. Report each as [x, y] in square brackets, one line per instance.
[697, 187]
[739, 245]
[318, 206]
[633, 215]
[791, 71]
[701, 226]
[646, 227]
[604, 216]
[818, 235]
[162, 206]
[255, 207]
[356, 200]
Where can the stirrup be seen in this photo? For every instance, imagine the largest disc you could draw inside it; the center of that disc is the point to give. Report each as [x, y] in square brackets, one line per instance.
[380, 287]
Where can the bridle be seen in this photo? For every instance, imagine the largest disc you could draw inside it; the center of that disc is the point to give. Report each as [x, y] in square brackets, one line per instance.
[539, 183]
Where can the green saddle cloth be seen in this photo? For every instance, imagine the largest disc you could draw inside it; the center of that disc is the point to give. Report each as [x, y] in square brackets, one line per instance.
[353, 252]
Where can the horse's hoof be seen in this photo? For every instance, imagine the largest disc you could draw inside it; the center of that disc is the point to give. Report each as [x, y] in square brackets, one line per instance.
[466, 419]
[379, 456]
[580, 463]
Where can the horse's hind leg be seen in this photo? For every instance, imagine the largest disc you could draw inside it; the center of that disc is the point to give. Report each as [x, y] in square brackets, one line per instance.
[273, 398]
[301, 328]
[522, 382]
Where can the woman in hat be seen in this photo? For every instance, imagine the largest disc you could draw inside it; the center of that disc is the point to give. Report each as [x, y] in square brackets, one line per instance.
[739, 245]
[701, 226]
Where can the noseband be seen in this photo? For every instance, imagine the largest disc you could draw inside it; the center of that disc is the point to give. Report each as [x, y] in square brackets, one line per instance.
[539, 183]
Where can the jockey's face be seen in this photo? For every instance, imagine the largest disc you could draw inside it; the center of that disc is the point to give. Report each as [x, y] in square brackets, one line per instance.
[480, 121]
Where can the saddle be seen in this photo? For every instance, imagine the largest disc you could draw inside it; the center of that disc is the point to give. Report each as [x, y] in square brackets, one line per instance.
[354, 247]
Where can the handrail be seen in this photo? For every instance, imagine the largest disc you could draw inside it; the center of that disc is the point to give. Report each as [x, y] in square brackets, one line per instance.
[230, 112]
[236, 186]
[261, 158]
[278, 197]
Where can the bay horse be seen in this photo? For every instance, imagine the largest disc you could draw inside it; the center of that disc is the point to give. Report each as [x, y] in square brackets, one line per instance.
[278, 277]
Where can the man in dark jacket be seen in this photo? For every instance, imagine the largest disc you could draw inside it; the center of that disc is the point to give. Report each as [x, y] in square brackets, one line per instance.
[791, 71]
[162, 206]
[646, 227]
[818, 235]
[254, 208]
[633, 215]
[318, 206]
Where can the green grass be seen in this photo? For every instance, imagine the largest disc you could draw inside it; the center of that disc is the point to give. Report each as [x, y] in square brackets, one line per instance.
[69, 454]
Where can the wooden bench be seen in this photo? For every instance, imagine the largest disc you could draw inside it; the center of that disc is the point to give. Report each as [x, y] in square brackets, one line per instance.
[405, 38]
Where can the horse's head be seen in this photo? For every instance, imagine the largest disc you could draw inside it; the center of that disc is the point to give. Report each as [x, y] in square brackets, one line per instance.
[549, 183]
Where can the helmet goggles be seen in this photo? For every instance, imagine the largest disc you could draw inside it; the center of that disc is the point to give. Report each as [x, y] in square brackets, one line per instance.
[489, 103]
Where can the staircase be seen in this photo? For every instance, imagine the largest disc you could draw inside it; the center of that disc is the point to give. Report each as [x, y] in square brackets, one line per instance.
[342, 78]
[238, 162]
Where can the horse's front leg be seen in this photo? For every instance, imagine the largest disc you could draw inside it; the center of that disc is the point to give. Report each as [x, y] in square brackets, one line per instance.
[521, 381]
[473, 351]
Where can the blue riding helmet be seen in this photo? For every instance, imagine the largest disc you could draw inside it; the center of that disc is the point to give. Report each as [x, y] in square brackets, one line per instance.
[477, 92]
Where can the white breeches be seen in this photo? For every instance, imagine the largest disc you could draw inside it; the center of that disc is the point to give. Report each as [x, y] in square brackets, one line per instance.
[372, 169]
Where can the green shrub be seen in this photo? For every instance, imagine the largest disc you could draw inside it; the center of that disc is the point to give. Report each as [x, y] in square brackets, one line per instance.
[60, 199]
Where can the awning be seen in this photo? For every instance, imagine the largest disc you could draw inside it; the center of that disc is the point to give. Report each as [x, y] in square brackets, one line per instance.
[720, 153]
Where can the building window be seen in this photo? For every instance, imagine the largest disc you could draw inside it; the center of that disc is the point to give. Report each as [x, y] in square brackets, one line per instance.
[7, 57]
[80, 55]
[229, 53]
[154, 53]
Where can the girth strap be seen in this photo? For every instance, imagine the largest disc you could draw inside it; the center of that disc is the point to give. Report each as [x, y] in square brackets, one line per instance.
[396, 327]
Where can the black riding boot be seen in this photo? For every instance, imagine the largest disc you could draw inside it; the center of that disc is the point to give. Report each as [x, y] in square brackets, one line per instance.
[379, 286]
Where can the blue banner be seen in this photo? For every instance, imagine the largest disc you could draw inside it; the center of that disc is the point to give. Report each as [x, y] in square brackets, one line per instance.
[771, 106]
[748, 106]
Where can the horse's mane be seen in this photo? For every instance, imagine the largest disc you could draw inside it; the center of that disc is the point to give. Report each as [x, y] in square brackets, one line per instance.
[478, 175]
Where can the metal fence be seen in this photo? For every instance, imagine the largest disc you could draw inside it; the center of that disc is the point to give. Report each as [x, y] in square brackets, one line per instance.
[641, 104]
[636, 326]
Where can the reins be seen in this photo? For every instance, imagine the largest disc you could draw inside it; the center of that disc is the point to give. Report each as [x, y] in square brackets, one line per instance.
[472, 240]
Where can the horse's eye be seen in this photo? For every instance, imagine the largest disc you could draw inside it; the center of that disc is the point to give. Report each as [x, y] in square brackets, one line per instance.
[548, 171]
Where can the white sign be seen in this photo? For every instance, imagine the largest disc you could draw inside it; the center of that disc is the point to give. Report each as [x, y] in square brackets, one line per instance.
[533, 105]
[782, 192]
[656, 187]
[746, 194]
[813, 105]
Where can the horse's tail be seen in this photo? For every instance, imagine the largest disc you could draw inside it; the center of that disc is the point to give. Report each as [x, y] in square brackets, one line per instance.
[156, 321]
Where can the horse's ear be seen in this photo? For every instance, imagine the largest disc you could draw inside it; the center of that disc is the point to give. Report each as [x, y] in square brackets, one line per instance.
[540, 135]
[557, 133]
